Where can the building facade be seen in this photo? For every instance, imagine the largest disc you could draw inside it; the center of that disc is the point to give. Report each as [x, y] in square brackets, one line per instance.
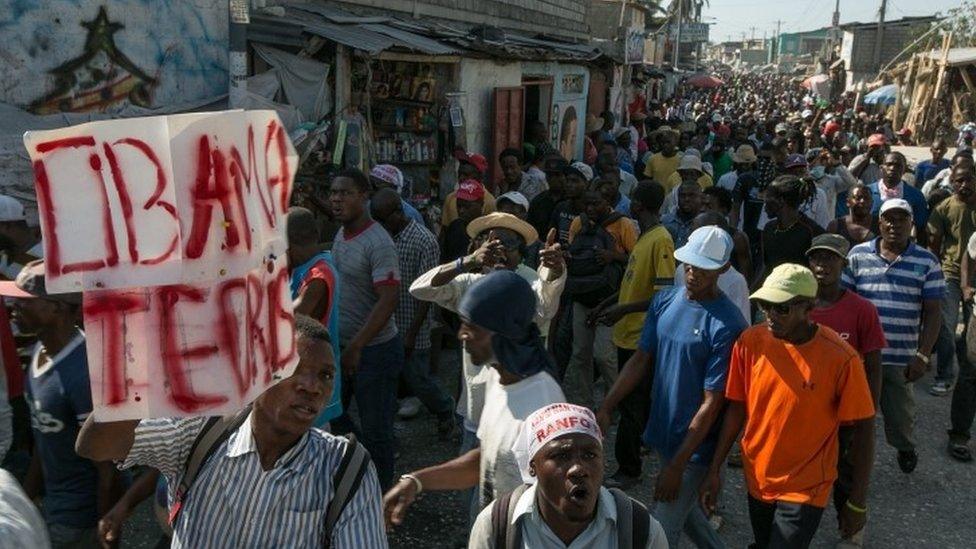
[564, 19]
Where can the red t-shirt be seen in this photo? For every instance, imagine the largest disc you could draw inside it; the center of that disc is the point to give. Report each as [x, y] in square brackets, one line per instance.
[855, 320]
[321, 271]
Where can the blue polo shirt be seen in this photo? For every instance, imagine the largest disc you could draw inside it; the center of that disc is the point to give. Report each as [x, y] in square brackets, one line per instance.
[914, 197]
[691, 342]
[59, 401]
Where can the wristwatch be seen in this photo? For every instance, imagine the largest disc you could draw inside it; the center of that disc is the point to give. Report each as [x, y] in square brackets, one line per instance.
[922, 356]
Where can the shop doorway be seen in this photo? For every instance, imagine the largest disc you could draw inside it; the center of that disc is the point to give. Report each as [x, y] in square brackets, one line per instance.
[538, 105]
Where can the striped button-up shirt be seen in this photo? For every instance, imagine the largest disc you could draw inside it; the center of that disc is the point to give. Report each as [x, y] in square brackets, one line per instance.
[235, 503]
[897, 289]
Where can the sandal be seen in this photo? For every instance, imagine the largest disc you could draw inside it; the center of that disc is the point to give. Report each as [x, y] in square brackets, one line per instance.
[960, 451]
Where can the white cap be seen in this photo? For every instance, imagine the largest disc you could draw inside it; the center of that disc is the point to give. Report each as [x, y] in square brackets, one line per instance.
[516, 197]
[708, 248]
[11, 209]
[895, 204]
[690, 162]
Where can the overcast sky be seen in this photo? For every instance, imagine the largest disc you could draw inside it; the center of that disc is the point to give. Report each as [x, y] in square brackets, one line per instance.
[731, 18]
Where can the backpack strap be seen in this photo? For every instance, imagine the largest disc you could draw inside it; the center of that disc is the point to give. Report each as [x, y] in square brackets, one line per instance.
[215, 431]
[633, 521]
[345, 483]
[502, 512]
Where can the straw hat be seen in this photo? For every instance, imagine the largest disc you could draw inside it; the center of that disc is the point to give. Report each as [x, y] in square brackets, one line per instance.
[744, 155]
[499, 220]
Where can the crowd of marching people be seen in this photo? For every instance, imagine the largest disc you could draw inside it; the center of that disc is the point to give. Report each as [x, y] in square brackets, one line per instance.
[742, 276]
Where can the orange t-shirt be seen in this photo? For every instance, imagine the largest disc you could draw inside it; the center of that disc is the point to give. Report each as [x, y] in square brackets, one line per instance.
[623, 231]
[795, 397]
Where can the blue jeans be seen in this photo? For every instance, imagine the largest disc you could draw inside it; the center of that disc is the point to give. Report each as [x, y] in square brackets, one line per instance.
[416, 375]
[946, 347]
[685, 513]
[374, 387]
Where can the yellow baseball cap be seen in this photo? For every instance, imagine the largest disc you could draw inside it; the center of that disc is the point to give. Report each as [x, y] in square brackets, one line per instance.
[787, 281]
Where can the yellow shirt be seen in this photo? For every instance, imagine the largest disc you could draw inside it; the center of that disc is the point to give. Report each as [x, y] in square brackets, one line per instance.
[449, 213]
[623, 231]
[649, 269]
[705, 181]
[660, 167]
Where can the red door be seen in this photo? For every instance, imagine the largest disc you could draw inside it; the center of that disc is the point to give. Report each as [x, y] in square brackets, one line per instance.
[509, 121]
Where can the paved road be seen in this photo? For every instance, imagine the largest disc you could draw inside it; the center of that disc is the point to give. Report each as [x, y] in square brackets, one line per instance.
[933, 507]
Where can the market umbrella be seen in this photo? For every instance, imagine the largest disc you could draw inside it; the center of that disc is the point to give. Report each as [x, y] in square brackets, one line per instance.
[885, 95]
[809, 83]
[705, 81]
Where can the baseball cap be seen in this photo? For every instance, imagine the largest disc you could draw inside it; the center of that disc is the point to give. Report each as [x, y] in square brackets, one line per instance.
[707, 248]
[29, 284]
[470, 190]
[475, 159]
[516, 198]
[787, 281]
[795, 161]
[11, 209]
[807, 113]
[782, 127]
[832, 242]
[895, 204]
[877, 139]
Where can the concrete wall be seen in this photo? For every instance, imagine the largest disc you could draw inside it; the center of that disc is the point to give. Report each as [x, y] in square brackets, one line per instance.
[478, 78]
[66, 55]
[563, 18]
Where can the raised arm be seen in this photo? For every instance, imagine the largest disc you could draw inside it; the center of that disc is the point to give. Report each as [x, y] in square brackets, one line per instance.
[108, 441]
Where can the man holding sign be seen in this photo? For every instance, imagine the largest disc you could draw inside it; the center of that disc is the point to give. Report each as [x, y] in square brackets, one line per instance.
[56, 388]
[271, 483]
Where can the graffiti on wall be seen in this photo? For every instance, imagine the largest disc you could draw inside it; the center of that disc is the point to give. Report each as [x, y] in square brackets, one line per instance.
[101, 76]
[73, 56]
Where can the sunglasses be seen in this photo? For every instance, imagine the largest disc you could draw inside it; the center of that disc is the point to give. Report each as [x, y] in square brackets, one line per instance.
[778, 308]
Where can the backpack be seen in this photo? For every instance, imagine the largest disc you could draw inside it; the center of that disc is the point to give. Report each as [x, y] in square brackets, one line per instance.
[633, 520]
[589, 281]
[345, 482]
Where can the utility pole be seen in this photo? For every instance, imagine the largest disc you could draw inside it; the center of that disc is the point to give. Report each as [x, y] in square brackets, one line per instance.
[752, 33]
[677, 38]
[835, 27]
[776, 42]
[237, 53]
[879, 35]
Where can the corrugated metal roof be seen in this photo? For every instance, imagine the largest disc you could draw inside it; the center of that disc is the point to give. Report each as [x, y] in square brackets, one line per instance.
[374, 34]
[353, 36]
[413, 41]
[334, 14]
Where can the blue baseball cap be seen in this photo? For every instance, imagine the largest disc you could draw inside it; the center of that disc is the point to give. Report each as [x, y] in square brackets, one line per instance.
[708, 248]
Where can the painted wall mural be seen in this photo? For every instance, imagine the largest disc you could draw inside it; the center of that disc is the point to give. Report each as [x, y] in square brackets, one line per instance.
[80, 56]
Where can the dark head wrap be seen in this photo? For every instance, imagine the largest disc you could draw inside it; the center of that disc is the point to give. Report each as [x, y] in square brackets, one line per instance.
[504, 303]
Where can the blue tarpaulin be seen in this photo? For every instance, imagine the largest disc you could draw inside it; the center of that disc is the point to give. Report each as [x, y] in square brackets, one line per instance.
[885, 95]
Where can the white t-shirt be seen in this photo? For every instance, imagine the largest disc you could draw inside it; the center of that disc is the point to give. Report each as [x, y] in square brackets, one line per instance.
[732, 284]
[506, 408]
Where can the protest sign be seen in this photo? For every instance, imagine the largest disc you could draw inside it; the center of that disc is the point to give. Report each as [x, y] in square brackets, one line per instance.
[174, 228]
